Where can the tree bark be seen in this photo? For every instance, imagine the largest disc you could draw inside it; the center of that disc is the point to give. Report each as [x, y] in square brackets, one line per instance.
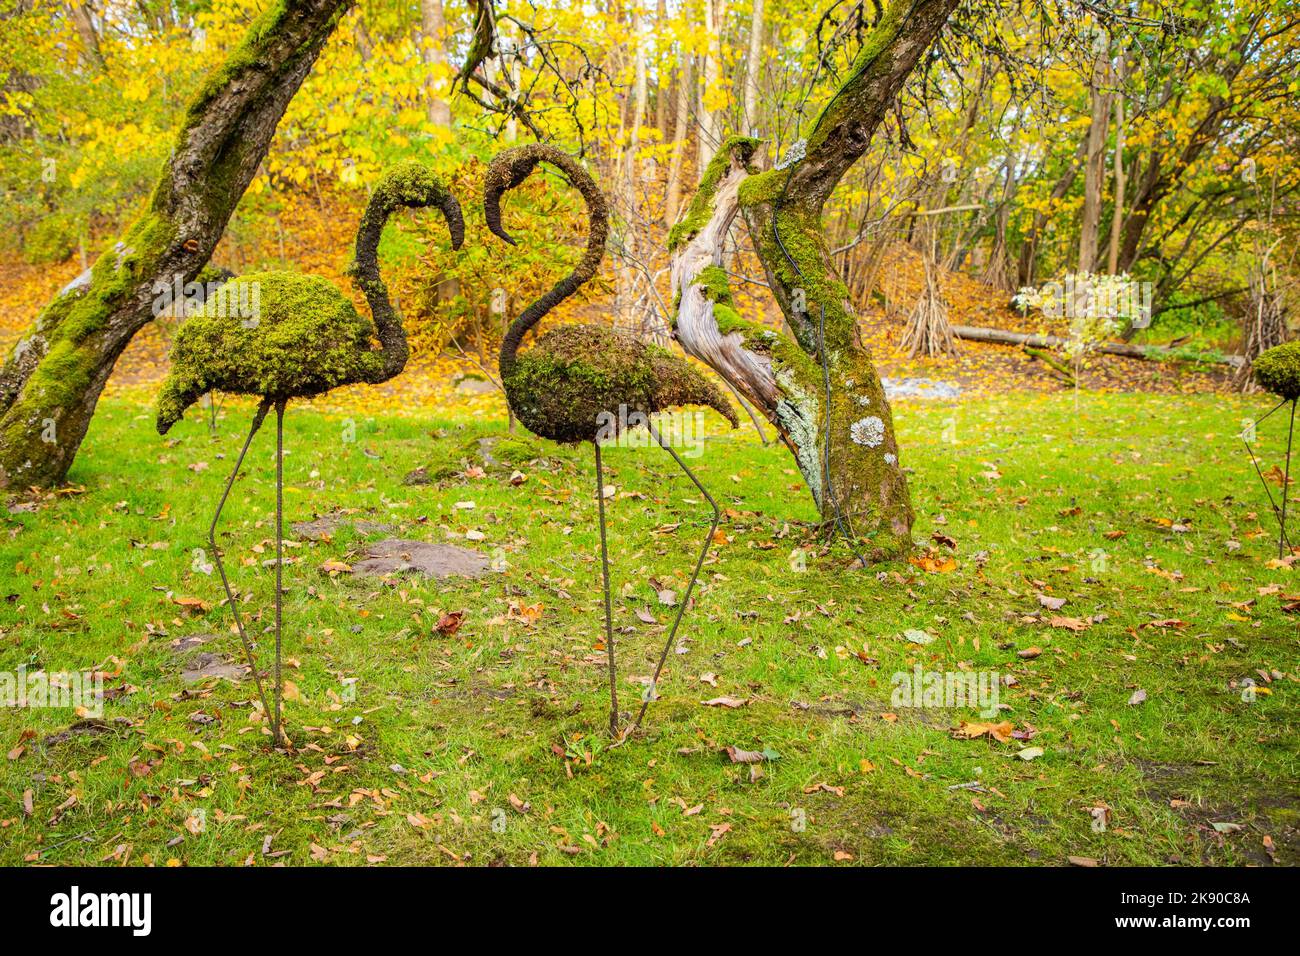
[83, 19]
[1121, 176]
[673, 189]
[433, 27]
[752, 65]
[1094, 165]
[710, 131]
[663, 74]
[846, 452]
[52, 381]
[974, 333]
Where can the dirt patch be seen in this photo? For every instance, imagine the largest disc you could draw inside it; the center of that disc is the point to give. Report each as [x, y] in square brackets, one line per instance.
[400, 556]
[91, 727]
[1261, 828]
[324, 527]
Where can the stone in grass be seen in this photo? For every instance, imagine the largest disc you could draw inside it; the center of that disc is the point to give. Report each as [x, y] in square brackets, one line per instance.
[400, 556]
[325, 526]
[1277, 370]
[183, 645]
[205, 666]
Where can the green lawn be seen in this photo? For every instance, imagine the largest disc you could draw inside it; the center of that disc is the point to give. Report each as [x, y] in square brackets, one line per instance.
[488, 746]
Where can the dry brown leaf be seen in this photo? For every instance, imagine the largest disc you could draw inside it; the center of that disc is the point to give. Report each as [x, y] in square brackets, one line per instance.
[969, 730]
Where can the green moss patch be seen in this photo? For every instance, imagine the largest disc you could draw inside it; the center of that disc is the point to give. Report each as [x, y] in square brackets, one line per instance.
[1278, 370]
[304, 339]
[579, 376]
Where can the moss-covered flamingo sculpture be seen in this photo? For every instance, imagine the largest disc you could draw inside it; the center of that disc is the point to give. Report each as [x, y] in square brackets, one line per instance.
[582, 382]
[303, 338]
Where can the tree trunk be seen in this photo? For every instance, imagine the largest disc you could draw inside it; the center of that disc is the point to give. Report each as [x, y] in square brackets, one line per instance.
[673, 190]
[1155, 353]
[1121, 181]
[83, 19]
[663, 85]
[846, 452]
[52, 381]
[1094, 165]
[752, 65]
[710, 131]
[639, 96]
[433, 28]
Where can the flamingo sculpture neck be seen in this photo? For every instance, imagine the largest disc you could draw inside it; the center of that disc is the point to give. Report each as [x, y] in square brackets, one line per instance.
[409, 185]
[507, 171]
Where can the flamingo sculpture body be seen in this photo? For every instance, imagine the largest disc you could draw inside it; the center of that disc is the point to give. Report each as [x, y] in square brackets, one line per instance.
[580, 383]
[304, 338]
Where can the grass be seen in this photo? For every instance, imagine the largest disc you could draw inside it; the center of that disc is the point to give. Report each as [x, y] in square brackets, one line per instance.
[1138, 510]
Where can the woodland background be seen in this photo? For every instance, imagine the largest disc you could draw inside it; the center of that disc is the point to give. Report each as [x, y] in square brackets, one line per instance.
[1023, 150]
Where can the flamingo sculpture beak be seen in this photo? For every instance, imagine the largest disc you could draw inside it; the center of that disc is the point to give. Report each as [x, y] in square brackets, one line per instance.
[502, 177]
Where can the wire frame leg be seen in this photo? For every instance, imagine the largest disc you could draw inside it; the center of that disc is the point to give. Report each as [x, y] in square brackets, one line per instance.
[1283, 542]
[258, 417]
[1286, 480]
[277, 725]
[609, 617]
[686, 598]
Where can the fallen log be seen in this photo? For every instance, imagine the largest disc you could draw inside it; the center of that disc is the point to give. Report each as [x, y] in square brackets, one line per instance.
[1152, 352]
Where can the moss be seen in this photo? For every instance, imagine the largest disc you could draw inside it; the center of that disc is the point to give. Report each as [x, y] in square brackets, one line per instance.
[503, 449]
[763, 187]
[305, 338]
[717, 287]
[701, 207]
[798, 262]
[578, 378]
[70, 326]
[1278, 370]
[881, 38]
[247, 54]
[713, 281]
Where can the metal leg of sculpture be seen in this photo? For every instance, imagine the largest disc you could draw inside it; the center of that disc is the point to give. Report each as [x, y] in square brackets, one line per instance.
[258, 417]
[686, 598]
[609, 617]
[277, 728]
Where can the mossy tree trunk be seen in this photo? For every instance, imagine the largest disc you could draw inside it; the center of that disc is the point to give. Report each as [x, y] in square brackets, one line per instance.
[782, 209]
[52, 380]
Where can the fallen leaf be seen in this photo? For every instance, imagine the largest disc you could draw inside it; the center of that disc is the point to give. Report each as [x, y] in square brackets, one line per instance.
[1069, 623]
[969, 730]
[450, 623]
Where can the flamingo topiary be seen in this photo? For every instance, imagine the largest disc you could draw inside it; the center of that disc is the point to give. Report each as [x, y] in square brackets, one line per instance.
[578, 379]
[304, 339]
